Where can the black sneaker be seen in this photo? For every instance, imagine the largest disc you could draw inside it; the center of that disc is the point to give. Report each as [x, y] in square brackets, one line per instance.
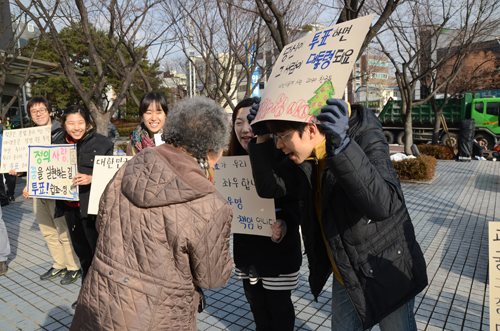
[11, 198]
[73, 305]
[53, 273]
[71, 276]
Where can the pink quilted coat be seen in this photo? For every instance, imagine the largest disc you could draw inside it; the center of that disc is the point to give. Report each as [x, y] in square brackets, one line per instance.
[163, 228]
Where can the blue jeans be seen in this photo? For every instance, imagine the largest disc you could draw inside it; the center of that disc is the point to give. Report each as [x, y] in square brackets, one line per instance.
[344, 317]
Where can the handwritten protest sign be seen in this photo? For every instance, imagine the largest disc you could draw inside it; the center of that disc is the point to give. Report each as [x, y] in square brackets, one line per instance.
[494, 265]
[15, 146]
[251, 213]
[105, 167]
[311, 70]
[51, 172]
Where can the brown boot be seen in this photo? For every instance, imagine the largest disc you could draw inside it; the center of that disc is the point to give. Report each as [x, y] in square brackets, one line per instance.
[3, 268]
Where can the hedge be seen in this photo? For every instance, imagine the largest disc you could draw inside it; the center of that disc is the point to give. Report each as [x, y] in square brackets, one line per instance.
[421, 168]
[440, 152]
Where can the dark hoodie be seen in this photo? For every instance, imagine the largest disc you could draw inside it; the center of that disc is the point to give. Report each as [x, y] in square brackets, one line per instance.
[57, 133]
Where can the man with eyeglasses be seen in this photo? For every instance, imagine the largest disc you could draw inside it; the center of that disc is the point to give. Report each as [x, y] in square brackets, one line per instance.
[54, 230]
[354, 218]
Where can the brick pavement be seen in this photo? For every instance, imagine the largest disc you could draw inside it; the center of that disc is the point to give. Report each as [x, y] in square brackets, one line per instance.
[450, 216]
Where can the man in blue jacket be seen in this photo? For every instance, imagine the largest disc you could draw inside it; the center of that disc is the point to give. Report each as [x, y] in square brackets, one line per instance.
[353, 213]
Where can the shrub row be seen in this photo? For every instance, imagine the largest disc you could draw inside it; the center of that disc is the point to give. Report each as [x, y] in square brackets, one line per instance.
[421, 168]
[440, 152]
[125, 128]
[122, 146]
[125, 131]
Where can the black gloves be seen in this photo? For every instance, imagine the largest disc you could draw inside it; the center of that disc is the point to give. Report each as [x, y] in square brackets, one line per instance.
[335, 123]
[258, 129]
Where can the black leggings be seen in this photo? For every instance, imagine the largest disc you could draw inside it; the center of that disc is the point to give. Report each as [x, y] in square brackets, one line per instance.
[83, 237]
[272, 310]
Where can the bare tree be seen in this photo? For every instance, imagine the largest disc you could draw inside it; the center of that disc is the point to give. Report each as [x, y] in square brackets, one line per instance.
[129, 28]
[275, 12]
[478, 73]
[285, 18]
[10, 51]
[218, 39]
[418, 46]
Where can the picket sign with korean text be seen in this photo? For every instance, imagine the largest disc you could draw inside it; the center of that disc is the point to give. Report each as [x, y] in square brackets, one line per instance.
[251, 213]
[15, 146]
[51, 172]
[105, 167]
[494, 271]
[311, 70]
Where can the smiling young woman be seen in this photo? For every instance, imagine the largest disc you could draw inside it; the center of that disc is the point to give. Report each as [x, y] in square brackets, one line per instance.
[79, 129]
[153, 112]
[268, 267]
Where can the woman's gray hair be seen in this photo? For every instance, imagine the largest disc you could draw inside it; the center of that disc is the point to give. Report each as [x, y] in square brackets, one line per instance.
[198, 124]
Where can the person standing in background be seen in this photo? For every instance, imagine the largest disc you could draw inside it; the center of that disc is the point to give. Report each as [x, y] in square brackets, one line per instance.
[153, 111]
[478, 148]
[54, 230]
[113, 133]
[8, 124]
[268, 267]
[4, 236]
[79, 129]
[4, 246]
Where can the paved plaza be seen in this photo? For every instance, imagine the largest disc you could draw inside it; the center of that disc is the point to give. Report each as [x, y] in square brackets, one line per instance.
[450, 215]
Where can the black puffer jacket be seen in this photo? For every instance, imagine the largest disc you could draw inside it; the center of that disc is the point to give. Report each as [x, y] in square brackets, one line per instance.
[367, 226]
[57, 133]
[266, 258]
[86, 149]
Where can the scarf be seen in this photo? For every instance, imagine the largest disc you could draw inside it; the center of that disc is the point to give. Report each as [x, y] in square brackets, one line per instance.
[140, 137]
[203, 163]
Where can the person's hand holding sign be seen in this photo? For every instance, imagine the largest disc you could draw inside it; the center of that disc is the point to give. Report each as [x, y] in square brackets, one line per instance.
[335, 123]
[82, 179]
[279, 230]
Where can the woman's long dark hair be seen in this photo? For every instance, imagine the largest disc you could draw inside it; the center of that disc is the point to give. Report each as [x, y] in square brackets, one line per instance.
[235, 147]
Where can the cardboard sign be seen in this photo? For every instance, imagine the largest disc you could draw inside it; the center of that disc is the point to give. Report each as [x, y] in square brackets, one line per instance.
[494, 271]
[51, 172]
[251, 213]
[15, 146]
[311, 70]
[105, 167]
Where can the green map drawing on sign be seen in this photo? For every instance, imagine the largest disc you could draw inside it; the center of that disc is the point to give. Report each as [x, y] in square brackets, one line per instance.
[323, 93]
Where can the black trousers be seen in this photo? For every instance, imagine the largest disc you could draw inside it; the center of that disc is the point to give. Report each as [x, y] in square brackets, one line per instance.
[272, 310]
[10, 180]
[3, 194]
[83, 237]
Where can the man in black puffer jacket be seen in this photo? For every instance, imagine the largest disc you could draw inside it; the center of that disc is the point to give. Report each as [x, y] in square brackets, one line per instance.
[353, 213]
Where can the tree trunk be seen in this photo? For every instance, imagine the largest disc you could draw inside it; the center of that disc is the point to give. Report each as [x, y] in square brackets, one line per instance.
[408, 127]
[101, 121]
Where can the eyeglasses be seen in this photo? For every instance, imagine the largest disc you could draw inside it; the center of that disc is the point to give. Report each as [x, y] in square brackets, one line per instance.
[282, 136]
[38, 111]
